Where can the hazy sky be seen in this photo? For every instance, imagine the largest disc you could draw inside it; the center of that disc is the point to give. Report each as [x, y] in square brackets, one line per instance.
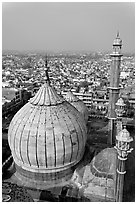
[67, 26]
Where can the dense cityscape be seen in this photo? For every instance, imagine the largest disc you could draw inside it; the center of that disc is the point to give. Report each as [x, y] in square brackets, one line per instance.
[86, 75]
[91, 72]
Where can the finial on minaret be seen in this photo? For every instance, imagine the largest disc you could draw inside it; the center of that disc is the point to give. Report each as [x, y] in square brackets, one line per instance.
[118, 34]
[46, 70]
[117, 42]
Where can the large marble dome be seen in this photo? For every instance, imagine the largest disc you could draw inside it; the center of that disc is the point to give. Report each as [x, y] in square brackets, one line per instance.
[47, 138]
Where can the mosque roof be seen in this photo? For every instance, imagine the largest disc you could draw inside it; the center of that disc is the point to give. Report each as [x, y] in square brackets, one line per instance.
[46, 118]
[47, 134]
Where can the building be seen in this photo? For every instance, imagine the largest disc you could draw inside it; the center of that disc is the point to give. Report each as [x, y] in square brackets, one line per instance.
[13, 99]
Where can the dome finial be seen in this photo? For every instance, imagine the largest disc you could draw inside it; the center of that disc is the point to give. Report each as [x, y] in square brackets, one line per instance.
[46, 70]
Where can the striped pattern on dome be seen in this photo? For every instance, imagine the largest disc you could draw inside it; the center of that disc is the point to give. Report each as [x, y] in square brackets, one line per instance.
[46, 96]
[45, 137]
[49, 137]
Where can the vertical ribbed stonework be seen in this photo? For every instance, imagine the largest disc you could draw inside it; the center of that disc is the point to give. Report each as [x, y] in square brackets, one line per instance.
[114, 86]
[47, 137]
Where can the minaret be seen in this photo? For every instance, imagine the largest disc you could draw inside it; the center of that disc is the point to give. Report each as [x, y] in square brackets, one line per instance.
[114, 86]
[123, 147]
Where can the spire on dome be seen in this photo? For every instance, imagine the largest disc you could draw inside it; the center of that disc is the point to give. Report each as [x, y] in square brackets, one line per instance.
[46, 70]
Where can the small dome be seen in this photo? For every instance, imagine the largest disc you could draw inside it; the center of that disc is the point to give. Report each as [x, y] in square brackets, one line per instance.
[78, 104]
[124, 136]
[104, 163]
[47, 137]
[120, 102]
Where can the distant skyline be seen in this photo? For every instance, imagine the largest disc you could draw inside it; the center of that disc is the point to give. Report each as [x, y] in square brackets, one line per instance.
[67, 26]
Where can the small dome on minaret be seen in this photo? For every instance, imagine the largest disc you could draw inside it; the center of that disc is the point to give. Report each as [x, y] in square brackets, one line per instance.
[78, 104]
[117, 40]
[124, 136]
[47, 138]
